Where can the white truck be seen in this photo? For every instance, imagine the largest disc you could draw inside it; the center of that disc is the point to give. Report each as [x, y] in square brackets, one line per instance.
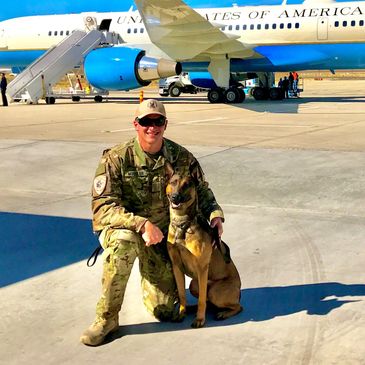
[175, 85]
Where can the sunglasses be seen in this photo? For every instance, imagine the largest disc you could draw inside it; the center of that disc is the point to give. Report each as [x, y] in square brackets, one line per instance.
[149, 122]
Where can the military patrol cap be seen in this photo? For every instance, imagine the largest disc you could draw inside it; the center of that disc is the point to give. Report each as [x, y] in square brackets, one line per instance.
[150, 106]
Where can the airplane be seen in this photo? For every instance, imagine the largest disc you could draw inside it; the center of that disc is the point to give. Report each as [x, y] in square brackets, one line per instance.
[219, 47]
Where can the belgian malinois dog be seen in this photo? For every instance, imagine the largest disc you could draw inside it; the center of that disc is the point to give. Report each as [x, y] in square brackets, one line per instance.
[196, 253]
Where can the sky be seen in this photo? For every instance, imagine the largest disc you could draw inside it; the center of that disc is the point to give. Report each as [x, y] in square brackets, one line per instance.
[30, 7]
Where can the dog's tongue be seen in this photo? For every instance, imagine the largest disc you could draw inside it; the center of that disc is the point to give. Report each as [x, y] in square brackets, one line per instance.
[175, 206]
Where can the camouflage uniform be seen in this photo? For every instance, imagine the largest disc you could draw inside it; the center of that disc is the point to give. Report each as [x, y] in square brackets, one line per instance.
[129, 188]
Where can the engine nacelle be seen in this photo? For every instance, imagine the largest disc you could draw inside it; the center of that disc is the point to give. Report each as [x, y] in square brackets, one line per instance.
[122, 68]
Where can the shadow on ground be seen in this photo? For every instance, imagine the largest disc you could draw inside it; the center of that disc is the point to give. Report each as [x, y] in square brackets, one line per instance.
[262, 304]
[34, 244]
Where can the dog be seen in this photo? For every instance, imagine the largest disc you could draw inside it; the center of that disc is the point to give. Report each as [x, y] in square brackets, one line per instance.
[195, 252]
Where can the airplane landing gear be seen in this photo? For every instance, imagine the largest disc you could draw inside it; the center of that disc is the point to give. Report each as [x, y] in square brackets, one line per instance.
[232, 95]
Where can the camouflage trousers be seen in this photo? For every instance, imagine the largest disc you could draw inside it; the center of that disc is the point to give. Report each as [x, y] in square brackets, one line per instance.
[121, 248]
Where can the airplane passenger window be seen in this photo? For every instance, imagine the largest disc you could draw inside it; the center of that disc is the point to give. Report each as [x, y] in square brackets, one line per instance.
[129, 30]
[266, 26]
[252, 26]
[344, 23]
[237, 27]
[142, 30]
[55, 33]
[244, 27]
[50, 33]
[135, 30]
[337, 23]
[281, 25]
[289, 25]
[230, 27]
[353, 23]
[274, 26]
[67, 32]
[361, 23]
[61, 32]
[297, 25]
[258, 26]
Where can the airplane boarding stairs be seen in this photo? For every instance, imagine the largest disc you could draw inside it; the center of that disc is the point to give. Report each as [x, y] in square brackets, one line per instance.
[37, 79]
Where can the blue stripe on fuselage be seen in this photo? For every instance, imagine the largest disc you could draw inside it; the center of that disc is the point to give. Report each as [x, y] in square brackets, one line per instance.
[298, 57]
[19, 58]
[276, 58]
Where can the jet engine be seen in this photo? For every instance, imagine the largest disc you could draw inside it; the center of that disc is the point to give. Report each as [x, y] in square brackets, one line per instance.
[123, 68]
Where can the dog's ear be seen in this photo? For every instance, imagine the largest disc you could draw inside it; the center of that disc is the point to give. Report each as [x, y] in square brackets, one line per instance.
[169, 170]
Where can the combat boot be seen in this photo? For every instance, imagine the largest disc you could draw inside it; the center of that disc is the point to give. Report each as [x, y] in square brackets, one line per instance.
[96, 333]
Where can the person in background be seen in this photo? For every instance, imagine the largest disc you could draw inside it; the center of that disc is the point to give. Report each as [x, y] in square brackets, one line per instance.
[3, 86]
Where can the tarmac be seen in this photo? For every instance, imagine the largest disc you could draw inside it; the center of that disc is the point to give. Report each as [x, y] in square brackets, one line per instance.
[290, 177]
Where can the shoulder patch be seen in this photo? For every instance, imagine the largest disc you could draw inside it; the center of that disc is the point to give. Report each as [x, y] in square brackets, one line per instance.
[100, 184]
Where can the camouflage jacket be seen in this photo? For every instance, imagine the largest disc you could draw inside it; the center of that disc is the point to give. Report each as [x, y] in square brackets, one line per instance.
[129, 187]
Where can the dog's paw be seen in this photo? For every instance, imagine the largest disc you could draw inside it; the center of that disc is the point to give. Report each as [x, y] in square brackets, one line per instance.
[179, 317]
[198, 323]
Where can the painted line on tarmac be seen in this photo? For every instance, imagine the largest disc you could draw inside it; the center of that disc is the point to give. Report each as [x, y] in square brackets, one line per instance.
[202, 120]
[118, 130]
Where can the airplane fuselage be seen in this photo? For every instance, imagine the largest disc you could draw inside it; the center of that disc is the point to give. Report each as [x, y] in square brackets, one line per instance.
[305, 31]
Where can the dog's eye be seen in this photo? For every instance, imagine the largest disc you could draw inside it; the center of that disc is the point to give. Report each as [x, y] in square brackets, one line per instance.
[186, 185]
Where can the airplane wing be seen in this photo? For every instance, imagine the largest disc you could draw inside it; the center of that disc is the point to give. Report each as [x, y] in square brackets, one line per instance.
[183, 34]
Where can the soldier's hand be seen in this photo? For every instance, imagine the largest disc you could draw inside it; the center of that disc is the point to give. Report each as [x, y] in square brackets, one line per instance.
[151, 234]
[217, 222]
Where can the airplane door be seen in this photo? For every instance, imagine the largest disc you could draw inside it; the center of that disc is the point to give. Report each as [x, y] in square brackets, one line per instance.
[322, 29]
[3, 42]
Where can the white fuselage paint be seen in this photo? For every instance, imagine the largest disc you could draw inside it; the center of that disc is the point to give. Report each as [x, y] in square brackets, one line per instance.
[295, 24]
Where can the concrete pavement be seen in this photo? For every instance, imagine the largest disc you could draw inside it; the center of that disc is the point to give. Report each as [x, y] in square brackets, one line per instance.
[290, 178]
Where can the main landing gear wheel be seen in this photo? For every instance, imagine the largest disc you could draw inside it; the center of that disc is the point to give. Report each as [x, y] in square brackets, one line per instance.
[276, 93]
[232, 95]
[259, 93]
[215, 96]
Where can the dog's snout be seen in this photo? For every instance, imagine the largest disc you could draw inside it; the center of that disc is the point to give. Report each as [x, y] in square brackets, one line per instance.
[176, 198]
